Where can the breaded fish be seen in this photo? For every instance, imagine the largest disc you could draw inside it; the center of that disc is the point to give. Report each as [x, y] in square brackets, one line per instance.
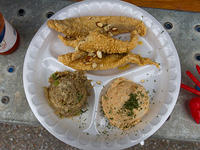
[108, 61]
[81, 26]
[96, 41]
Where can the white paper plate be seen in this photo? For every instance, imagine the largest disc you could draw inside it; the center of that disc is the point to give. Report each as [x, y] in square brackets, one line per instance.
[163, 84]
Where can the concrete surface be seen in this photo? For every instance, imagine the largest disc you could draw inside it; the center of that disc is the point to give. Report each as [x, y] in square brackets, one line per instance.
[23, 137]
[186, 39]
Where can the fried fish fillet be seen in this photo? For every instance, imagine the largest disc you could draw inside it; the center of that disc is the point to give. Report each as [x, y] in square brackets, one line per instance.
[96, 41]
[81, 26]
[108, 61]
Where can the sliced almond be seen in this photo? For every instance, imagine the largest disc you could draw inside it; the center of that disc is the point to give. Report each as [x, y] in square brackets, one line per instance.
[101, 65]
[110, 33]
[94, 65]
[99, 54]
[81, 42]
[107, 28]
[76, 48]
[91, 54]
[99, 24]
[77, 56]
[114, 29]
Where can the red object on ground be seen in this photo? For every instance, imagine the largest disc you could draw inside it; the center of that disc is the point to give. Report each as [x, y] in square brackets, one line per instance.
[194, 103]
[198, 68]
[193, 78]
[190, 89]
[194, 106]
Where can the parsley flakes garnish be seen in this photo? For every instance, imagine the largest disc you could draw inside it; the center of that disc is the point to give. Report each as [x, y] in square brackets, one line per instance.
[79, 97]
[132, 102]
[56, 82]
[130, 113]
[55, 78]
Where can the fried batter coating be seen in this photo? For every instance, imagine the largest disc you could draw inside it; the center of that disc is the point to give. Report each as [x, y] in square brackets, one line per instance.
[108, 61]
[96, 41]
[81, 26]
